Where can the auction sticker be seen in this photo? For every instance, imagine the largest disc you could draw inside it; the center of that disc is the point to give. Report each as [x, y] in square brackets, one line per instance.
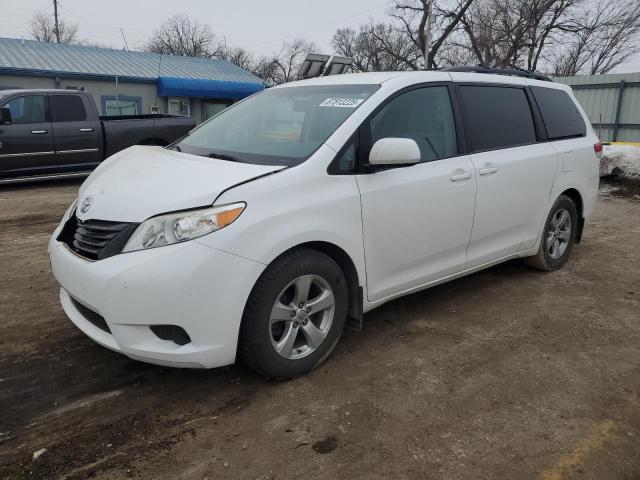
[342, 102]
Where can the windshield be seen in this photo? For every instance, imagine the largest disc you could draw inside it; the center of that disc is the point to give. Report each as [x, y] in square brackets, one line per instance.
[281, 126]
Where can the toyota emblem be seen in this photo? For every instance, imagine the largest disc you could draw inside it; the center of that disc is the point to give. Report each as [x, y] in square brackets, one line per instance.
[86, 204]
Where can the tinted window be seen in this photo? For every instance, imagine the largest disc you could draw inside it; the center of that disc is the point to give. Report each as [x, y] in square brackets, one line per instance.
[560, 115]
[423, 115]
[27, 109]
[67, 108]
[496, 117]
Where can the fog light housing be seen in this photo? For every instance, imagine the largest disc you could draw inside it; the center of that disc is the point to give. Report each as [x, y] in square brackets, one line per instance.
[173, 333]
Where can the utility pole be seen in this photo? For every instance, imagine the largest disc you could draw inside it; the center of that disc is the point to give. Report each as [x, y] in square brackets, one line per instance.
[55, 14]
[427, 34]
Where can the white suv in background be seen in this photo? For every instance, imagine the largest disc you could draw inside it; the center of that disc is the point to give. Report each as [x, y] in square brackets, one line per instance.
[262, 230]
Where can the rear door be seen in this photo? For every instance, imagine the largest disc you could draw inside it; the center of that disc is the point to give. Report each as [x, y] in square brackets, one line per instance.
[26, 146]
[416, 219]
[514, 170]
[76, 136]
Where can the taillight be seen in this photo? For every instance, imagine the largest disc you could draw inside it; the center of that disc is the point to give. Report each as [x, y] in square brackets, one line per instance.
[598, 149]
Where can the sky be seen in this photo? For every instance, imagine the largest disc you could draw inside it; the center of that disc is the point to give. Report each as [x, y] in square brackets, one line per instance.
[260, 26]
[257, 25]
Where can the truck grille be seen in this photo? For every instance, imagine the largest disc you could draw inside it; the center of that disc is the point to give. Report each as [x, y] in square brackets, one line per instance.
[96, 239]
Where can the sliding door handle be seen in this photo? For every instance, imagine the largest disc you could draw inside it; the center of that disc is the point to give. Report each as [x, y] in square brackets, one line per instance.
[38, 132]
[86, 129]
[487, 169]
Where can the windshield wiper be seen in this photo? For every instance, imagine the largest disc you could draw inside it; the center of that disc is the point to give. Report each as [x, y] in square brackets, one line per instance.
[222, 156]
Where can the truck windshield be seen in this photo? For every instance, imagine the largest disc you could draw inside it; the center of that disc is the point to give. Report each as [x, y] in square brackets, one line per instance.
[281, 126]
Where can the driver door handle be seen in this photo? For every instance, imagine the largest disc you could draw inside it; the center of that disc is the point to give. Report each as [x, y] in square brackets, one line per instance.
[86, 129]
[488, 169]
[460, 174]
[38, 132]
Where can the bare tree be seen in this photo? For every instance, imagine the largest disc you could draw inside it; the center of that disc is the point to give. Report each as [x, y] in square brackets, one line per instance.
[605, 36]
[43, 29]
[180, 35]
[284, 66]
[240, 57]
[560, 36]
[412, 17]
[376, 47]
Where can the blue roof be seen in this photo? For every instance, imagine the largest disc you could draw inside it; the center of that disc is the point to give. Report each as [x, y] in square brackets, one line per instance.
[33, 57]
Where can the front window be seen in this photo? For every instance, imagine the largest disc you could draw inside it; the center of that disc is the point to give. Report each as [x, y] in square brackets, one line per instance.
[281, 126]
[27, 109]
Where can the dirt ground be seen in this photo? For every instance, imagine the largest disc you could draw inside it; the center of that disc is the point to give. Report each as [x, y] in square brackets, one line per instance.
[506, 374]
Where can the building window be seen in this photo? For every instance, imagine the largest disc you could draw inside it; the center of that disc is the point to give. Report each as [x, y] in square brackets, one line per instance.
[179, 106]
[209, 109]
[124, 106]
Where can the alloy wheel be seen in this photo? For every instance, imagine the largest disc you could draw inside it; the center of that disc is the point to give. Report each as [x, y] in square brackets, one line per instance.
[301, 317]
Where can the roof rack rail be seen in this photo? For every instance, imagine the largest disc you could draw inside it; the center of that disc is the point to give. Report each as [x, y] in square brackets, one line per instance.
[515, 72]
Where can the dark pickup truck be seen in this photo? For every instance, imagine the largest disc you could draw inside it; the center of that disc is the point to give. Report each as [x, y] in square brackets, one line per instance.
[58, 133]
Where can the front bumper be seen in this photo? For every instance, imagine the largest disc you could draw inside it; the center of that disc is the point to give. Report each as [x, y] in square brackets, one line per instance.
[198, 288]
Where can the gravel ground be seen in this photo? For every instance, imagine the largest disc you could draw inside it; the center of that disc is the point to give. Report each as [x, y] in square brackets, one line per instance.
[505, 374]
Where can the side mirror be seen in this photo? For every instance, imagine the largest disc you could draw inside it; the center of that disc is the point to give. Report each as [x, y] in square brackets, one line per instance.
[394, 151]
[5, 116]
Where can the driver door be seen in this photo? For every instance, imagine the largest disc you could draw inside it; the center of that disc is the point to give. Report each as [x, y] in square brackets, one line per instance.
[416, 219]
[26, 145]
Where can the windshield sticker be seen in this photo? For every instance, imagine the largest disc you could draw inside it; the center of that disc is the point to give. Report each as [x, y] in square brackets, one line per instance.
[342, 102]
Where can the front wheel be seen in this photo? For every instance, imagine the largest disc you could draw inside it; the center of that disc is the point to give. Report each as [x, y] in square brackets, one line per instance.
[295, 315]
[558, 236]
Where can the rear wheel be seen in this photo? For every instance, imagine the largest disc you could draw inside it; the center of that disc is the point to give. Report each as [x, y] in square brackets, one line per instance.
[558, 236]
[295, 315]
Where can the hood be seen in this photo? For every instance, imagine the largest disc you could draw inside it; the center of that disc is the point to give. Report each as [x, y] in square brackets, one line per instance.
[140, 182]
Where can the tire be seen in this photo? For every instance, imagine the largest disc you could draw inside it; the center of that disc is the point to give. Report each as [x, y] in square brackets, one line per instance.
[273, 317]
[551, 255]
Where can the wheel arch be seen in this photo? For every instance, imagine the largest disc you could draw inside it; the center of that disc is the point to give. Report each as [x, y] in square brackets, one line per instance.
[346, 263]
[576, 197]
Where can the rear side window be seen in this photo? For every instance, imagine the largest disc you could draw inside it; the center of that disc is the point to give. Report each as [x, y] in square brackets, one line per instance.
[67, 108]
[496, 117]
[424, 115]
[560, 115]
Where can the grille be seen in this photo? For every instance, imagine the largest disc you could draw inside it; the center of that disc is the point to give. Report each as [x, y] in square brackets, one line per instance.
[96, 239]
[92, 317]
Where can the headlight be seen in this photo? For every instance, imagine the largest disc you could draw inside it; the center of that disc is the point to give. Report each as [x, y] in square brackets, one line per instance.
[182, 226]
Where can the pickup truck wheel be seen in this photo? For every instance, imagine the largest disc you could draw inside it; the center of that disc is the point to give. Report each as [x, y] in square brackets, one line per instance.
[558, 236]
[294, 316]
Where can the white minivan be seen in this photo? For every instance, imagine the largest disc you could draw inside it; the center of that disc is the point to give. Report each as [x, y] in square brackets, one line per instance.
[259, 233]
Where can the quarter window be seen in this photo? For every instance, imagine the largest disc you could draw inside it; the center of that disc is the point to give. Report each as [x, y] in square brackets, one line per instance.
[424, 115]
[496, 117]
[67, 108]
[560, 115]
[27, 109]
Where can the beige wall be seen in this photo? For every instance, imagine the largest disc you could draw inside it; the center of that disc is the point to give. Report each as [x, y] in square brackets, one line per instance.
[98, 88]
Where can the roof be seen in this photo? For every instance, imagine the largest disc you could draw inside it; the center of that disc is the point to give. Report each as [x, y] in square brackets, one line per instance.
[371, 78]
[418, 76]
[599, 79]
[33, 57]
